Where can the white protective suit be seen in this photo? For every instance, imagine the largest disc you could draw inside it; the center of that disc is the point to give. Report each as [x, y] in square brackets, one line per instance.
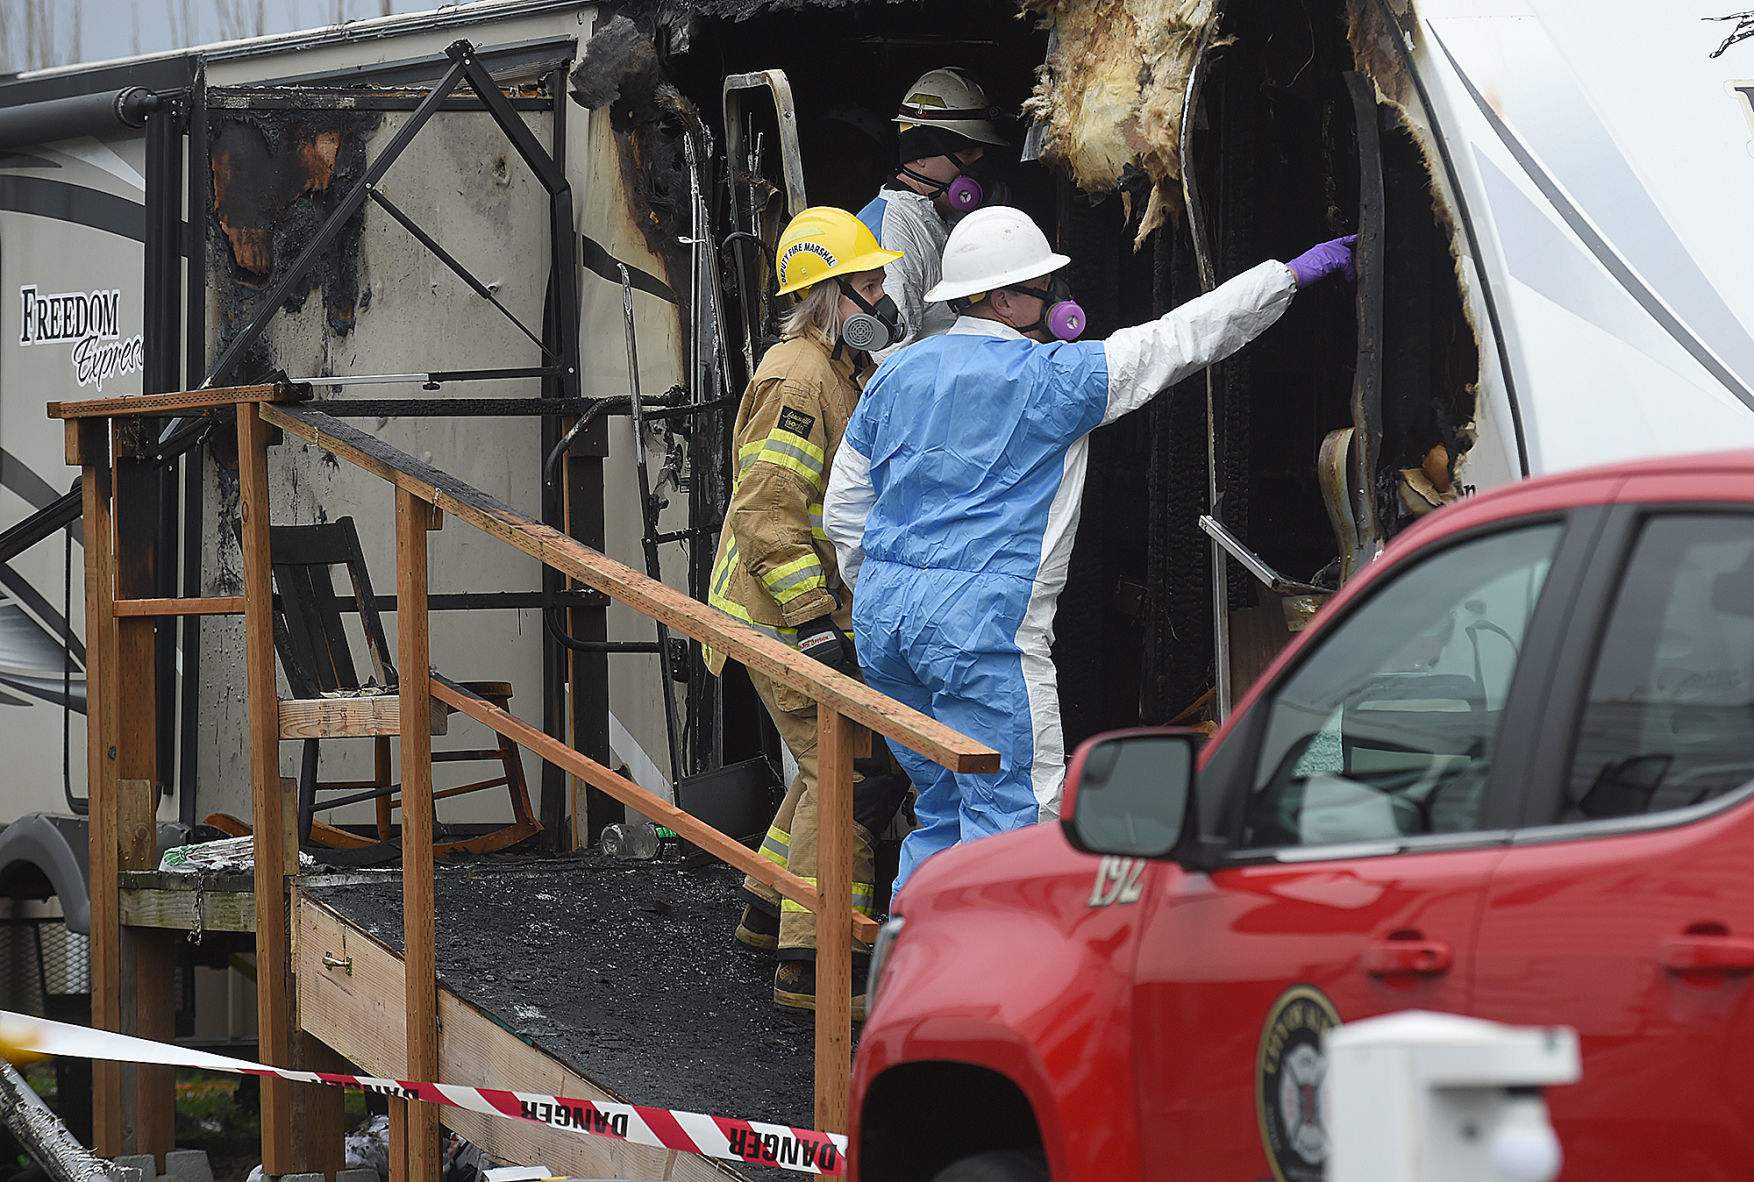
[909, 222]
[953, 504]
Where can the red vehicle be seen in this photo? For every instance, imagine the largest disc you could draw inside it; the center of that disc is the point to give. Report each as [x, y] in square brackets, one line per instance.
[1508, 772]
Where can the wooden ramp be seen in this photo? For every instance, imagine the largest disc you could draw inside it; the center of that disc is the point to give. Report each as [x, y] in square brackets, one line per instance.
[301, 1125]
[361, 1014]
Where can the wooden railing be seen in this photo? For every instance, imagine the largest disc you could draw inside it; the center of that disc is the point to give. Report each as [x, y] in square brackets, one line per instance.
[119, 661]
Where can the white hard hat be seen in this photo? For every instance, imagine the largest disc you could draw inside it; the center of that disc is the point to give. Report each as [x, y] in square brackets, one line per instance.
[949, 99]
[992, 248]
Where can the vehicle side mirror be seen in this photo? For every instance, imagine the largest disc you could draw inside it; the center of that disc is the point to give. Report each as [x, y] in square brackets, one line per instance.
[1131, 793]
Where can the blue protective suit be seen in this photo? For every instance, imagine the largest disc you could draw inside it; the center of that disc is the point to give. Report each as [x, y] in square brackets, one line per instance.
[952, 507]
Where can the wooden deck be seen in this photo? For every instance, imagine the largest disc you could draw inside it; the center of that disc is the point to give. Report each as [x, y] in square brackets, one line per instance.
[553, 974]
[187, 902]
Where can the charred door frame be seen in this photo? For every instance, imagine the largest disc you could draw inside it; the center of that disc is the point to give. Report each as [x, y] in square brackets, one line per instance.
[755, 306]
[1367, 425]
[1367, 394]
[1404, 48]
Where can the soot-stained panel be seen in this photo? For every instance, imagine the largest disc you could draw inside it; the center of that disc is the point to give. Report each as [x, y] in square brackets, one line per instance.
[277, 176]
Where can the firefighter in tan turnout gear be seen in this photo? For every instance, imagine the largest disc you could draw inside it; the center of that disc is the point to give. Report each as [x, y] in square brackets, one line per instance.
[776, 569]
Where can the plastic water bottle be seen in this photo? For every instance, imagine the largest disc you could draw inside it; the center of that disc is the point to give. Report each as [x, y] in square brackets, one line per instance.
[636, 843]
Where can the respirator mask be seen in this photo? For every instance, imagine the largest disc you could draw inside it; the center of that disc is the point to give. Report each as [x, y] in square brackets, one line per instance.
[975, 185]
[1061, 317]
[877, 326]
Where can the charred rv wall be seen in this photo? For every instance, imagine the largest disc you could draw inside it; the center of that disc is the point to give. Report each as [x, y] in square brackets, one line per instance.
[276, 177]
[1274, 155]
[619, 71]
[379, 302]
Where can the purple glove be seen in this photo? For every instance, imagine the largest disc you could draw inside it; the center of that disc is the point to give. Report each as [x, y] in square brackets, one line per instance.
[1325, 259]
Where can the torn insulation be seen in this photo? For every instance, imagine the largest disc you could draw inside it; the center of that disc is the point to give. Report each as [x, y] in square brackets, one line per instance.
[1110, 96]
[1374, 39]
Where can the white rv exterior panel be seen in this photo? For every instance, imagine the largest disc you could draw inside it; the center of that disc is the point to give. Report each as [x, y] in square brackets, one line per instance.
[1604, 159]
[71, 319]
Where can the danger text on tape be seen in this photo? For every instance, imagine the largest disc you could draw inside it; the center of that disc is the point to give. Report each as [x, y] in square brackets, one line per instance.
[752, 1142]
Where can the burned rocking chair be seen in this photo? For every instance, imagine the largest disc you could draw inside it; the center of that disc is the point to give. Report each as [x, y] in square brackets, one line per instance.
[329, 700]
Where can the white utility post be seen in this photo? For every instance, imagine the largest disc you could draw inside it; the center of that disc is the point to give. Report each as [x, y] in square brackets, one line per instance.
[1421, 1097]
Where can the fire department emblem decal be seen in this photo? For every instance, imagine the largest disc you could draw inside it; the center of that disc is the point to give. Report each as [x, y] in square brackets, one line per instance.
[1288, 1081]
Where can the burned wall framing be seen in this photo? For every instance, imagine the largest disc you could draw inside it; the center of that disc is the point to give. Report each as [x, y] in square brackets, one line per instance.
[1275, 155]
[1129, 573]
[465, 69]
[322, 167]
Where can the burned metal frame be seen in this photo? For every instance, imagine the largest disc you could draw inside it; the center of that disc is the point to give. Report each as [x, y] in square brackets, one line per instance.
[1254, 563]
[470, 601]
[466, 68]
[558, 344]
[163, 373]
[276, 98]
[575, 678]
[786, 113]
[198, 182]
[436, 378]
[1367, 370]
[390, 408]
[754, 306]
[649, 521]
[709, 443]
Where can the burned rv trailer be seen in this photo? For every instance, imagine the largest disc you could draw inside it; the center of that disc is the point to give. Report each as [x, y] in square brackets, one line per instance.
[1165, 147]
[527, 243]
[302, 206]
[401, 207]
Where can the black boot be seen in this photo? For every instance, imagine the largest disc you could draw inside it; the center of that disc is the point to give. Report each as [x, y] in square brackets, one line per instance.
[758, 928]
[794, 986]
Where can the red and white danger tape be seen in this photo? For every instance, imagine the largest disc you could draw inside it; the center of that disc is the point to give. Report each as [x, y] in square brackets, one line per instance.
[752, 1142]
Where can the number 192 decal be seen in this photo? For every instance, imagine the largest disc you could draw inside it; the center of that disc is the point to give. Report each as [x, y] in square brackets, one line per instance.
[1117, 881]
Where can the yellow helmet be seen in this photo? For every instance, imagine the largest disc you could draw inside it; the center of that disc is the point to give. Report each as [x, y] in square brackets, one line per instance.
[823, 242]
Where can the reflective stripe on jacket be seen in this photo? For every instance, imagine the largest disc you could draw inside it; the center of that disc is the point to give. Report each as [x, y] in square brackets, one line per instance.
[775, 567]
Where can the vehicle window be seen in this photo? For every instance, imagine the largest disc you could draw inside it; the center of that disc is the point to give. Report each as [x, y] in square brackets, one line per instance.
[1387, 728]
[1669, 721]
